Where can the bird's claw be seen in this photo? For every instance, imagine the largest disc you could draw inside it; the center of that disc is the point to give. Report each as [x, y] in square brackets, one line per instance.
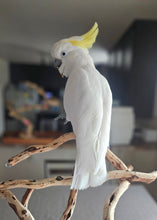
[60, 116]
[65, 122]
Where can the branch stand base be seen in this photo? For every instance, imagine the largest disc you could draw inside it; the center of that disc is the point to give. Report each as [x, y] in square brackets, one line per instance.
[124, 174]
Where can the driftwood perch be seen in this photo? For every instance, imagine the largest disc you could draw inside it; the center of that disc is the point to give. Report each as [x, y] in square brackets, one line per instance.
[16, 113]
[124, 174]
[22, 212]
[26, 197]
[66, 180]
[110, 204]
[67, 214]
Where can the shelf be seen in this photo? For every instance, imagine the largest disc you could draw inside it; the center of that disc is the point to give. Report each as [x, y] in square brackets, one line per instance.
[40, 137]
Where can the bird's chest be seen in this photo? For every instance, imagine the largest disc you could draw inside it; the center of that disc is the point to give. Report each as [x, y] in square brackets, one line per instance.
[74, 93]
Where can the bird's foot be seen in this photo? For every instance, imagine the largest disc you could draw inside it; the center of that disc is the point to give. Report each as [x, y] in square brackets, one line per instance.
[60, 116]
[65, 122]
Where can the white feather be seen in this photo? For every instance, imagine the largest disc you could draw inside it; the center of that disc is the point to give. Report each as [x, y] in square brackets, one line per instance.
[87, 103]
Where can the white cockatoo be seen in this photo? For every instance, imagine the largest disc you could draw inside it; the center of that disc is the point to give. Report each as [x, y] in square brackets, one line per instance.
[87, 103]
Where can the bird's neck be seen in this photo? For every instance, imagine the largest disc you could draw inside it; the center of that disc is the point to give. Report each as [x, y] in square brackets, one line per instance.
[76, 60]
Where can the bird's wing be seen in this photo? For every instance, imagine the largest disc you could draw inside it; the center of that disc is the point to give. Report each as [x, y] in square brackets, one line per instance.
[84, 106]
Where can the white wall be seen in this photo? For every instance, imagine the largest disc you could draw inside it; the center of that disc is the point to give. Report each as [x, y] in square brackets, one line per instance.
[4, 79]
[99, 54]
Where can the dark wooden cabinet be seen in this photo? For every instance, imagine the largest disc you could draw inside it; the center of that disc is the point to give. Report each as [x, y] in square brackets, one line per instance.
[135, 61]
[44, 75]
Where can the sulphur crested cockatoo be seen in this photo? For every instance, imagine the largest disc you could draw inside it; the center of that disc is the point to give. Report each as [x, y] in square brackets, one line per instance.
[87, 102]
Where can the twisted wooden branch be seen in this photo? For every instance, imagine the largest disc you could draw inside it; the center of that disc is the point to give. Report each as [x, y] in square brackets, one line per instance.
[21, 211]
[131, 176]
[41, 91]
[15, 113]
[67, 214]
[36, 184]
[115, 161]
[26, 197]
[29, 125]
[34, 149]
[122, 173]
[37, 88]
[111, 202]
[31, 108]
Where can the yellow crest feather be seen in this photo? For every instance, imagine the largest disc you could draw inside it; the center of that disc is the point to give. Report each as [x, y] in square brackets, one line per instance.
[88, 39]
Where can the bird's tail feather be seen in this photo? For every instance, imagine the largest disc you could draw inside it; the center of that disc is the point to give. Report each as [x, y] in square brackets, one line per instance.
[90, 166]
[83, 180]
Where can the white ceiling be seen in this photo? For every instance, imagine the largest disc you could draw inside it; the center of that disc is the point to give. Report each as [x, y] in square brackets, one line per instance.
[28, 28]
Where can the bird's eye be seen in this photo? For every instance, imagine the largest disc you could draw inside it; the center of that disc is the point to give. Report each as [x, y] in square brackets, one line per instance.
[63, 53]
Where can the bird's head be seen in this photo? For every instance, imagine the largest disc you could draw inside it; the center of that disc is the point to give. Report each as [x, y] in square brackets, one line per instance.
[69, 47]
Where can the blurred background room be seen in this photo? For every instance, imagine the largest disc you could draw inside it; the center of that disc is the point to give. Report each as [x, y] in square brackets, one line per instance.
[125, 53]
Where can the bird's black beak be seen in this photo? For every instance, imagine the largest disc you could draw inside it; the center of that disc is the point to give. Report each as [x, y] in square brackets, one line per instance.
[57, 63]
